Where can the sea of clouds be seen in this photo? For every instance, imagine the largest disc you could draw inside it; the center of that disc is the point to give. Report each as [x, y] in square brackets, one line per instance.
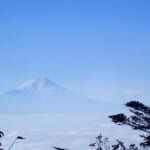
[71, 130]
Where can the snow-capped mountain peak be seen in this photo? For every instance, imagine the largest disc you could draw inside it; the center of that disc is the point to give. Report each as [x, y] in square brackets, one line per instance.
[40, 84]
[36, 83]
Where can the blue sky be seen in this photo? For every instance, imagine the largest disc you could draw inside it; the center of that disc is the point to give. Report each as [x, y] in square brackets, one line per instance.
[99, 49]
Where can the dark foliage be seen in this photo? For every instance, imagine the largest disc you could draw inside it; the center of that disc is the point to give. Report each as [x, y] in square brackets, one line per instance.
[139, 120]
[103, 144]
[119, 118]
[20, 137]
[1, 135]
[138, 106]
[58, 148]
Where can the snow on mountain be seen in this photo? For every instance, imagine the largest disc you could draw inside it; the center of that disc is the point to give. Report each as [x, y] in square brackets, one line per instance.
[39, 85]
[34, 83]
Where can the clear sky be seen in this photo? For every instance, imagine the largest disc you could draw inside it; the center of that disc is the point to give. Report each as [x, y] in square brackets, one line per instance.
[97, 48]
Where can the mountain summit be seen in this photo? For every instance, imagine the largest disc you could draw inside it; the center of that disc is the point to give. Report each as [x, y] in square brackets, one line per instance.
[36, 84]
[39, 85]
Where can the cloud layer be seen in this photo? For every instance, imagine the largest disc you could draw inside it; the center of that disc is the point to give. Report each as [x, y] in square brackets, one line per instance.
[73, 131]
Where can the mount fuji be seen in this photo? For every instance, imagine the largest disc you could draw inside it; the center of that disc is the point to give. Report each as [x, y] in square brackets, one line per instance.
[41, 95]
[40, 85]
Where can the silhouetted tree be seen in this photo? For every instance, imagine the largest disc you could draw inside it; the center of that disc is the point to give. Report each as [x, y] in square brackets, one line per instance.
[1, 135]
[58, 148]
[139, 120]
[17, 138]
[103, 144]
[92, 145]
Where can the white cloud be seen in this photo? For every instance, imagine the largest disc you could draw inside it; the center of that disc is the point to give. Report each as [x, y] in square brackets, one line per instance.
[12, 134]
[131, 92]
[74, 131]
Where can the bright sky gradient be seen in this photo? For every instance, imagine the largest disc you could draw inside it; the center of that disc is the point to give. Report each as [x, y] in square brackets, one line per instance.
[99, 49]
